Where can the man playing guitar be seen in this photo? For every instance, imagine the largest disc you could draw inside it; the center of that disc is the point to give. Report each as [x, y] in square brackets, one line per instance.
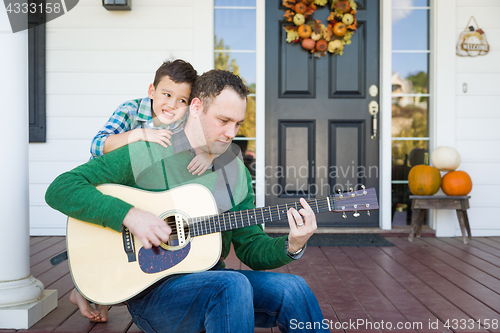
[219, 299]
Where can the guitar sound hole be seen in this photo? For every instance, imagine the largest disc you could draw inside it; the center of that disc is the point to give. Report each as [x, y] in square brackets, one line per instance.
[175, 237]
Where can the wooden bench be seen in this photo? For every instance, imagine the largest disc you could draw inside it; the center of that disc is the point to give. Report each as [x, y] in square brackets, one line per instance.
[420, 203]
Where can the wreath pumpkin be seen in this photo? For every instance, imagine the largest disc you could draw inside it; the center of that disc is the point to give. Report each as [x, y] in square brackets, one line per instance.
[312, 34]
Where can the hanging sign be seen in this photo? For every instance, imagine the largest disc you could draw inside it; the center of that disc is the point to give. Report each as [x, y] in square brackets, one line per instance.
[472, 41]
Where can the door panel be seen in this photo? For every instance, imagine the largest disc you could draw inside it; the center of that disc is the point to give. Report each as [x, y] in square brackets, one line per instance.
[318, 129]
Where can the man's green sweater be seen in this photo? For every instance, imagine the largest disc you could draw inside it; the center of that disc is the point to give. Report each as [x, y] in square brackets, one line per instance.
[149, 166]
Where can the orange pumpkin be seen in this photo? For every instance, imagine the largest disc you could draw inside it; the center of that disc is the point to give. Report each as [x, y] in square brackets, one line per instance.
[305, 31]
[456, 183]
[308, 44]
[340, 29]
[300, 8]
[321, 45]
[424, 180]
[343, 6]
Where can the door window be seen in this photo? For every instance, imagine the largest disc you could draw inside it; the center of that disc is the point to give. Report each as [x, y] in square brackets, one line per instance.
[410, 98]
[235, 46]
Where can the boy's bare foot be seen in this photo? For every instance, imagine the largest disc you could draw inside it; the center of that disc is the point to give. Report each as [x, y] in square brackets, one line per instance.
[103, 309]
[86, 309]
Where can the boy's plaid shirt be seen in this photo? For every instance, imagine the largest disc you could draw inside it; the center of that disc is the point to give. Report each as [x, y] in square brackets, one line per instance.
[130, 115]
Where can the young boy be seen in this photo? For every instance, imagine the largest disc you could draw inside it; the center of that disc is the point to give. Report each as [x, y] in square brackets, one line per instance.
[155, 117]
[149, 119]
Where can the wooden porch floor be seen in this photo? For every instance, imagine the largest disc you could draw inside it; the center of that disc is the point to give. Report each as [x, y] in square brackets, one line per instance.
[429, 281]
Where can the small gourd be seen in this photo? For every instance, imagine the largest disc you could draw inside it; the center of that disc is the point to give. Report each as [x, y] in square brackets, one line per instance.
[424, 179]
[308, 44]
[321, 45]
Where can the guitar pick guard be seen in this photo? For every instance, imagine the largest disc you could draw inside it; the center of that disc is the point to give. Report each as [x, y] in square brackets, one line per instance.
[158, 259]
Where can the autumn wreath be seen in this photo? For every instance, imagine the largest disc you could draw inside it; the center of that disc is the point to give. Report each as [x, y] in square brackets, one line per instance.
[313, 35]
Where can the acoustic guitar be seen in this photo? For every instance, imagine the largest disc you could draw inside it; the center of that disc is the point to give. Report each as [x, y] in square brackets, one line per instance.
[109, 267]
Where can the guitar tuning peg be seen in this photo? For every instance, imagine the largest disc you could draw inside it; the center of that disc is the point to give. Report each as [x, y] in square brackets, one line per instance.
[351, 189]
[368, 212]
[356, 214]
[339, 191]
[363, 187]
[344, 215]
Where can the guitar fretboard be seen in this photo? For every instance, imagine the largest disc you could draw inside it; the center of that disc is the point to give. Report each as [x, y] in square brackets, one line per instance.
[203, 225]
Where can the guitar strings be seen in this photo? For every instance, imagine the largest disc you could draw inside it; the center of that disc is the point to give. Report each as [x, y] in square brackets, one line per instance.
[211, 224]
[322, 203]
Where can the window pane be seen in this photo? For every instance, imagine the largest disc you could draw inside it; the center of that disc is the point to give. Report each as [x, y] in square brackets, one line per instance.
[405, 154]
[421, 3]
[247, 129]
[410, 29]
[235, 28]
[410, 117]
[242, 64]
[248, 153]
[410, 3]
[409, 73]
[238, 3]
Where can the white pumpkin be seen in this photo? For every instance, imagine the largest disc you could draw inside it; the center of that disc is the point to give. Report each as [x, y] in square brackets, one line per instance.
[445, 158]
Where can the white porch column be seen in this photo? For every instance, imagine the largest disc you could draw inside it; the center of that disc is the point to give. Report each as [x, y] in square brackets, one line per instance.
[23, 300]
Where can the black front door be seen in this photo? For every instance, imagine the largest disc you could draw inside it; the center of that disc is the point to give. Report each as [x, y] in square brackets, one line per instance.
[319, 132]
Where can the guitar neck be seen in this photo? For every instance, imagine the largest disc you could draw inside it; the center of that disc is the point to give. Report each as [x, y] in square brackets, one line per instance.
[234, 220]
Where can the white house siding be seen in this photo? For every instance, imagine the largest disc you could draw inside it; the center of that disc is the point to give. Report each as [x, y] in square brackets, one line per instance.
[477, 122]
[97, 59]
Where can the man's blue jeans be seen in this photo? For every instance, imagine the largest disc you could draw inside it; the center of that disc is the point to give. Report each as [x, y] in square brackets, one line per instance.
[227, 301]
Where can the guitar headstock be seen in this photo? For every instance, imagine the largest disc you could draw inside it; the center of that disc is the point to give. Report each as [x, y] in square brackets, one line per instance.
[354, 201]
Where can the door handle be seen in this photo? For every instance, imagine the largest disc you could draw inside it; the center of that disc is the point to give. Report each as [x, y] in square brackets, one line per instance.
[373, 110]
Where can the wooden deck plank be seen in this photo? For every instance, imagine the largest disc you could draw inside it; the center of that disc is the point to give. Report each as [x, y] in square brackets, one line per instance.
[462, 281]
[134, 329]
[373, 301]
[38, 239]
[488, 241]
[495, 239]
[345, 305]
[64, 285]
[76, 323]
[54, 273]
[46, 243]
[407, 304]
[438, 305]
[492, 259]
[119, 320]
[481, 277]
[464, 256]
[42, 263]
[484, 247]
[303, 269]
[468, 304]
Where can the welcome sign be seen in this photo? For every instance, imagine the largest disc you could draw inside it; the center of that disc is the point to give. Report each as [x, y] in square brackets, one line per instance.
[472, 42]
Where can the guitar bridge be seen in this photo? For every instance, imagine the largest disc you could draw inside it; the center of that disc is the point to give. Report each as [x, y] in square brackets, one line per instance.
[181, 237]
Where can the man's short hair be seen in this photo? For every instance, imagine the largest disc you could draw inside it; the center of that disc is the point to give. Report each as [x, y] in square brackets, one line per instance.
[178, 70]
[212, 83]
